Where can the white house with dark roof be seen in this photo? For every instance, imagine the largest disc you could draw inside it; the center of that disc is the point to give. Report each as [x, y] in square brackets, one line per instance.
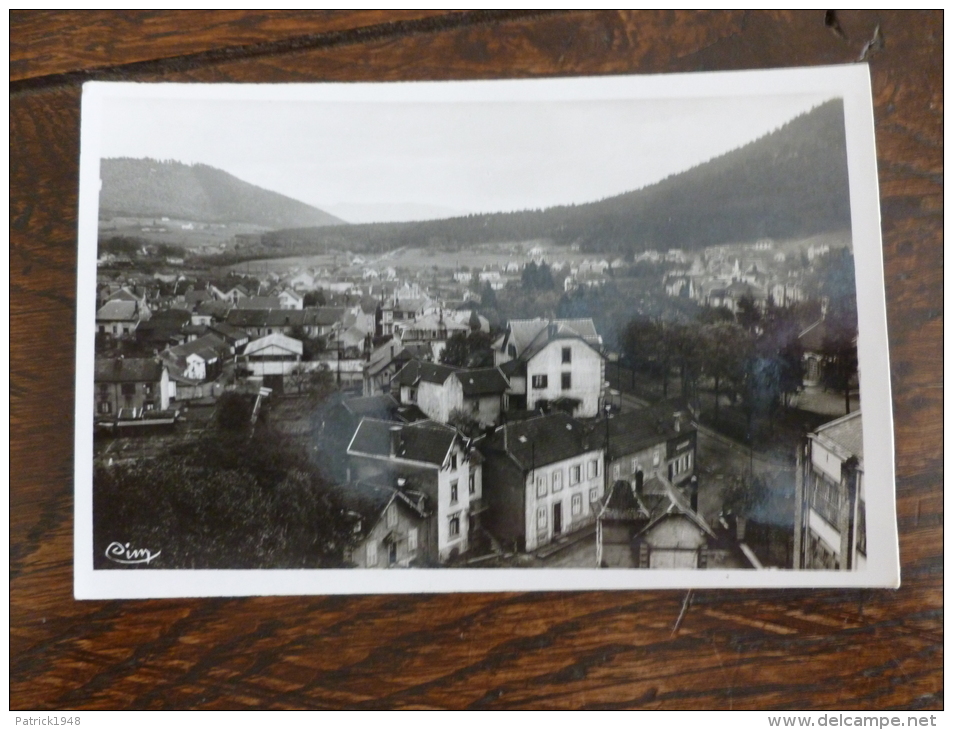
[439, 390]
[544, 477]
[436, 460]
[132, 383]
[119, 318]
[830, 517]
[552, 361]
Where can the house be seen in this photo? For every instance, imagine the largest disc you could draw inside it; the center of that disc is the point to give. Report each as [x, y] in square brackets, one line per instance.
[830, 518]
[231, 295]
[133, 383]
[312, 322]
[290, 299]
[274, 354]
[197, 361]
[650, 444]
[439, 390]
[661, 530]
[394, 526]
[235, 338]
[552, 362]
[137, 294]
[386, 360]
[210, 311]
[164, 329]
[542, 478]
[437, 461]
[118, 318]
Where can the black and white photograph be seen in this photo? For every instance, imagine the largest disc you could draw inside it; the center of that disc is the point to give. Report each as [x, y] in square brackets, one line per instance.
[612, 332]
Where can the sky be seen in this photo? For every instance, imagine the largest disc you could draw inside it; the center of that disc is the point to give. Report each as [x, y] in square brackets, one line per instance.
[414, 160]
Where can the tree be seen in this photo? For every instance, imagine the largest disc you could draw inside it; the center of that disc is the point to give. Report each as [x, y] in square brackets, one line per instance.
[315, 299]
[726, 349]
[749, 316]
[233, 412]
[223, 501]
[467, 349]
[840, 364]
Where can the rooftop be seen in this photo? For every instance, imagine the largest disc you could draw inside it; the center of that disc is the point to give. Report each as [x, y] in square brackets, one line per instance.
[425, 442]
[128, 370]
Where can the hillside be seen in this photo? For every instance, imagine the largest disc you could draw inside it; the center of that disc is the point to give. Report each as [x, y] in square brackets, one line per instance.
[792, 182]
[149, 188]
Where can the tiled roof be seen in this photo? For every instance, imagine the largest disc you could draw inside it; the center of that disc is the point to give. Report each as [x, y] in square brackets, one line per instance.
[258, 303]
[226, 330]
[529, 336]
[118, 311]
[635, 430]
[276, 339]
[543, 440]
[847, 432]
[197, 295]
[482, 381]
[429, 372]
[425, 442]
[128, 370]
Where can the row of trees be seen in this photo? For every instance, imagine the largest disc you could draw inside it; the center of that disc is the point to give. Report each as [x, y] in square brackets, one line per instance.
[755, 358]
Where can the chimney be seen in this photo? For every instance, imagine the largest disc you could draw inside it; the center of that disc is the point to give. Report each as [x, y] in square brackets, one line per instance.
[401, 482]
[394, 440]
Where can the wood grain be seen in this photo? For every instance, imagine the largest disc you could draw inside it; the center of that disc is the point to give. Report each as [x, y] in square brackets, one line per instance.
[837, 649]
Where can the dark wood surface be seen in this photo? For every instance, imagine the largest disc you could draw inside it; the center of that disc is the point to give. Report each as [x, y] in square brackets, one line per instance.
[764, 649]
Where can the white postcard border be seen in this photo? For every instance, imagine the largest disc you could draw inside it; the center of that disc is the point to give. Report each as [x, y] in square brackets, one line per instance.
[852, 83]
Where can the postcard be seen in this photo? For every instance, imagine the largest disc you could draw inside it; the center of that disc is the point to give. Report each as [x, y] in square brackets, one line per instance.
[575, 333]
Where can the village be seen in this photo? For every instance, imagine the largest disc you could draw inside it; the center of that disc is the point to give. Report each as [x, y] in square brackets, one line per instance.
[453, 440]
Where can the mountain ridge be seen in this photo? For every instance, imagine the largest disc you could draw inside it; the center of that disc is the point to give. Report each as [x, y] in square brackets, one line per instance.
[789, 182]
[144, 187]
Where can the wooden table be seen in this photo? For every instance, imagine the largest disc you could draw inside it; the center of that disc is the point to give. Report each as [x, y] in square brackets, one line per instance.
[836, 649]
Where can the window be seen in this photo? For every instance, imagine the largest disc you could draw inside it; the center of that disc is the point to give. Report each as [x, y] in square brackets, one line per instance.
[592, 469]
[636, 466]
[567, 354]
[575, 475]
[541, 518]
[826, 499]
[476, 405]
[453, 462]
[148, 388]
[576, 505]
[656, 457]
[392, 554]
[541, 485]
[105, 407]
[616, 471]
[593, 495]
[392, 516]
[557, 481]
[566, 381]
[371, 554]
[412, 539]
[540, 381]
[472, 483]
[453, 493]
[454, 528]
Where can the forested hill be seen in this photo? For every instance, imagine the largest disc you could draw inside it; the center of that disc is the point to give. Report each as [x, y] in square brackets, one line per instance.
[791, 182]
[144, 188]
